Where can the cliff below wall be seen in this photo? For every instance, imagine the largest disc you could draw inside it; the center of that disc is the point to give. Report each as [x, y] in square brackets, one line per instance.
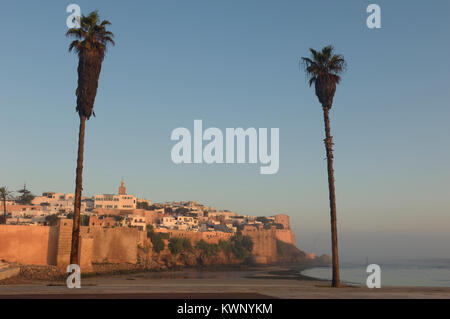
[148, 259]
[288, 253]
[267, 249]
[165, 260]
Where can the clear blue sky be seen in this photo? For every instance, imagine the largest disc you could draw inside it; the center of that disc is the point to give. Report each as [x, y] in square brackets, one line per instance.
[231, 64]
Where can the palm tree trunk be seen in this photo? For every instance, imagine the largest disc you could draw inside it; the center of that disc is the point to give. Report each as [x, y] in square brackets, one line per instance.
[78, 188]
[334, 242]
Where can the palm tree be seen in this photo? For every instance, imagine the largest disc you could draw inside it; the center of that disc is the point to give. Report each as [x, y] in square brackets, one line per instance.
[91, 42]
[323, 69]
[4, 195]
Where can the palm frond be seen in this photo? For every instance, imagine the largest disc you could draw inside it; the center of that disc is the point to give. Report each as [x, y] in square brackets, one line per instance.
[74, 45]
[322, 69]
[77, 33]
[323, 63]
[92, 34]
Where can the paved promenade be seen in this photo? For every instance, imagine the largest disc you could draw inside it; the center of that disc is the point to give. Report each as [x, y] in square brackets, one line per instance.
[216, 285]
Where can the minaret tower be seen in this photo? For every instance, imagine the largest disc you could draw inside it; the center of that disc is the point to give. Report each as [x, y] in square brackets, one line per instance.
[122, 189]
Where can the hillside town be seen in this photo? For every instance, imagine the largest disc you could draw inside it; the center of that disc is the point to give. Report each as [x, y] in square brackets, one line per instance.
[121, 232]
[182, 219]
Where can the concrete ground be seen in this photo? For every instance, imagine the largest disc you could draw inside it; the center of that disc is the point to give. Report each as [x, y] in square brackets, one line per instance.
[223, 285]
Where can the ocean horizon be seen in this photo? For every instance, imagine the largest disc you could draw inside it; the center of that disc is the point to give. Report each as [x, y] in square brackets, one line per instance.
[421, 273]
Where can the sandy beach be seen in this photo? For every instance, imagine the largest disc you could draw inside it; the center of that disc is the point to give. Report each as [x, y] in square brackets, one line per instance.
[193, 284]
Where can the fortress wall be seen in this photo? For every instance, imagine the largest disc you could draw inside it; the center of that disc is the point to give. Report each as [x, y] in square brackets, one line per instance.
[210, 237]
[52, 245]
[285, 235]
[63, 244]
[193, 236]
[26, 244]
[214, 237]
[264, 240]
[264, 244]
[97, 245]
[151, 216]
[142, 237]
[283, 219]
[114, 245]
[44, 245]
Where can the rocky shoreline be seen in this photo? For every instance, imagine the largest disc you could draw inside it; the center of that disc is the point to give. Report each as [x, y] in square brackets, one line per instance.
[290, 261]
[54, 275]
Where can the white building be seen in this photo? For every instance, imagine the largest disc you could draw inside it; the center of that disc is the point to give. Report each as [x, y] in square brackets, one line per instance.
[168, 221]
[121, 201]
[27, 211]
[49, 197]
[112, 201]
[179, 222]
[57, 203]
[189, 221]
[138, 222]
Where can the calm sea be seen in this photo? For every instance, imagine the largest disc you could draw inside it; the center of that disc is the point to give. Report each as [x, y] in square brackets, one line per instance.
[429, 273]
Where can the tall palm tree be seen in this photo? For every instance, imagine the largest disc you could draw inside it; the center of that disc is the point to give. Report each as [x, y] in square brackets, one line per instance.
[4, 195]
[91, 43]
[323, 69]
